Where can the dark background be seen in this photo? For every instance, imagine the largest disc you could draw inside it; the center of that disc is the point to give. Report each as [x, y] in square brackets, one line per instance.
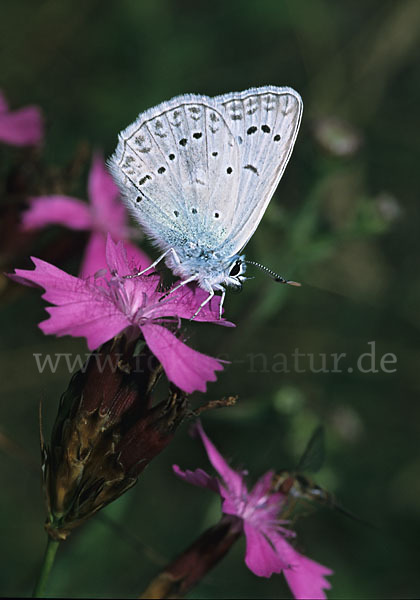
[347, 227]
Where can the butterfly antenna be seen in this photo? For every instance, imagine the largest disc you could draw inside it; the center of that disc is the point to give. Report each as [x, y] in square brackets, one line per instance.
[270, 273]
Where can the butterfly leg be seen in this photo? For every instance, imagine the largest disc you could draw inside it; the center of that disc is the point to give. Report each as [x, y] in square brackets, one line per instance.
[206, 301]
[153, 265]
[222, 299]
[189, 280]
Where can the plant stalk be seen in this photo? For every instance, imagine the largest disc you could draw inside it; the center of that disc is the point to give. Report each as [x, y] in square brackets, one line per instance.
[49, 556]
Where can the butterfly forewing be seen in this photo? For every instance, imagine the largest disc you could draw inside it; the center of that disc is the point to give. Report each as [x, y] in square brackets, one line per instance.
[177, 161]
[265, 122]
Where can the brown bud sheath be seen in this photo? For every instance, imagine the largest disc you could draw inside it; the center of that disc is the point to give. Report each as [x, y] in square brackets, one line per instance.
[106, 432]
[189, 568]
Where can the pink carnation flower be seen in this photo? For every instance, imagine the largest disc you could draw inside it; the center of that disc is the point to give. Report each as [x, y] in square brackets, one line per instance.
[22, 127]
[267, 550]
[105, 213]
[100, 308]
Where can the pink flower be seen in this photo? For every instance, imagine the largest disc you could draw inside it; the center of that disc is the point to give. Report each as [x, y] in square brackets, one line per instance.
[106, 213]
[100, 308]
[267, 550]
[22, 127]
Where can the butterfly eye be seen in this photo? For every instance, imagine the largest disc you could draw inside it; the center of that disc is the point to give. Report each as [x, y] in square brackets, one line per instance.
[235, 269]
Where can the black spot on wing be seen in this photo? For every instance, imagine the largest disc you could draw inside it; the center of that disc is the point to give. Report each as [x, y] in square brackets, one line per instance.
[143, 180]
[252, 168]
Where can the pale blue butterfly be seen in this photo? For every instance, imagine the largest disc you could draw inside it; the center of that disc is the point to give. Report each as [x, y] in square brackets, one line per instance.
[198, 174]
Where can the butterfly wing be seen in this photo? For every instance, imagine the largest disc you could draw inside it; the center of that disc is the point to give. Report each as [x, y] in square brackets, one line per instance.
[175, 168]
[265, 123]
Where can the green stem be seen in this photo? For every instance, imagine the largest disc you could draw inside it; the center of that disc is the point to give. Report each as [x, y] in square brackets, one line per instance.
[49, 556]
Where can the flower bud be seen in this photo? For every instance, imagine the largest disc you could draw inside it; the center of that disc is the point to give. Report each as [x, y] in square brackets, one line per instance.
[106, 432]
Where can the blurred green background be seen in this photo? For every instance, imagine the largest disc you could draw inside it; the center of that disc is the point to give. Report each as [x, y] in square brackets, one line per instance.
[344, 221]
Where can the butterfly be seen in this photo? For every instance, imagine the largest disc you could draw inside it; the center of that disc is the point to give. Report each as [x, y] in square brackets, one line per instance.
[198, 173]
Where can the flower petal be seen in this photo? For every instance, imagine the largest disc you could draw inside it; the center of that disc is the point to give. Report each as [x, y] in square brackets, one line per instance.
[269, 503]
[124, 259]
[109, 210]
[267, 552]
[82, 309]
[60, 287]
[23, 127]
[186, 368]
[136, 258]
[233, 480]
[197, 477]
[305, 577]
[263, 485]
[185, 302]
[264, 551]
[94, 258]
[116, 258]
[56, 210]
[101, 187]
[94, 320]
